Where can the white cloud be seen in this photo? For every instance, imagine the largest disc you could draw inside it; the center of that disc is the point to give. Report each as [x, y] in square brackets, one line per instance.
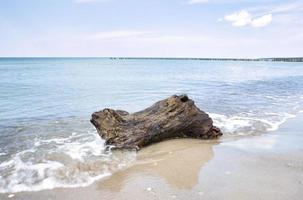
[198, 1]
[262, 21]
[241, 18]
[115, 34]
[292, 6]
[244, 18]
[143, 43]
[155, 43]
[260, 16]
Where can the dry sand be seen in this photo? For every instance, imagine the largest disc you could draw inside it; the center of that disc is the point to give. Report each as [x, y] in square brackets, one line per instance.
[269, 166]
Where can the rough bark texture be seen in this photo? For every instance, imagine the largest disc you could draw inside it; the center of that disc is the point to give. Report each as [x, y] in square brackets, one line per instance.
[173, 117]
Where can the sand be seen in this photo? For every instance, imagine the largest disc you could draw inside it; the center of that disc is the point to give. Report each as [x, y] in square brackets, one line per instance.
[268, 166]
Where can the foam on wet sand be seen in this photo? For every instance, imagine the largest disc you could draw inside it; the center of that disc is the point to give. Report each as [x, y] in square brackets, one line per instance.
[267, 166]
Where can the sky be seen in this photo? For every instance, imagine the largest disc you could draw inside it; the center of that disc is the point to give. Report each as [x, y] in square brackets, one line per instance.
[151, 28]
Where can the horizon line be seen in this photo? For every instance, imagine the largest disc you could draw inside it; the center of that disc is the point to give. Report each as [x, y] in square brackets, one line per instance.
[156, 57]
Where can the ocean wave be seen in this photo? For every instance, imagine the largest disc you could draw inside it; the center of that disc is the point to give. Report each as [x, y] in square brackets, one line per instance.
[74, 161]
[241, 125]
[78, 159]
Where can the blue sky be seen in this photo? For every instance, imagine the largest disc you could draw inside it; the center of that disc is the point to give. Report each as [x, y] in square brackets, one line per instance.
[152, 28]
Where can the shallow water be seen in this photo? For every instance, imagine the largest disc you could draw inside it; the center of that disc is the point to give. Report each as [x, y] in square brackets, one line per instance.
[46, 140]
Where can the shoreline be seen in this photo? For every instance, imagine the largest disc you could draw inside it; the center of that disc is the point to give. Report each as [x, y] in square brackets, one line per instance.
[268, 166]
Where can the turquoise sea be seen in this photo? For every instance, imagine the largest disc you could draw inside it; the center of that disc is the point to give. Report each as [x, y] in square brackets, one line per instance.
[47, 141]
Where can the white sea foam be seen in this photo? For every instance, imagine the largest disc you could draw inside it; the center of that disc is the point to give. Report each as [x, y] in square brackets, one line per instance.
[75, 161]
[244, 125]
[79, 159]
[79, 151]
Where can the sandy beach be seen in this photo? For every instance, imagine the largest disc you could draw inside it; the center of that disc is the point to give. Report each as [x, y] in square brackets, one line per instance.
[268, 166]
[151, 100]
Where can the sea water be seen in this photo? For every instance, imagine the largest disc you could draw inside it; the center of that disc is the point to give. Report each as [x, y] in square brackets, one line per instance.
[47, 141]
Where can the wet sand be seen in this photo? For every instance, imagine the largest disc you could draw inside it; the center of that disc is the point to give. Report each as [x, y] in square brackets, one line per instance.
[269, 166]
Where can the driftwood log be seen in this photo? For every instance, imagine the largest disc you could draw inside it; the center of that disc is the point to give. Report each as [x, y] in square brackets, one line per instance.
[174, 117]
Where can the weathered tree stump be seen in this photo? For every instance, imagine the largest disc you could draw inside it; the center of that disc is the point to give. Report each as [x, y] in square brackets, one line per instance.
[174, 117]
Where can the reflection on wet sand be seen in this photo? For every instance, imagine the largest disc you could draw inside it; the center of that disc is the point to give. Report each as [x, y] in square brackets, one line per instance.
[178, 162]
